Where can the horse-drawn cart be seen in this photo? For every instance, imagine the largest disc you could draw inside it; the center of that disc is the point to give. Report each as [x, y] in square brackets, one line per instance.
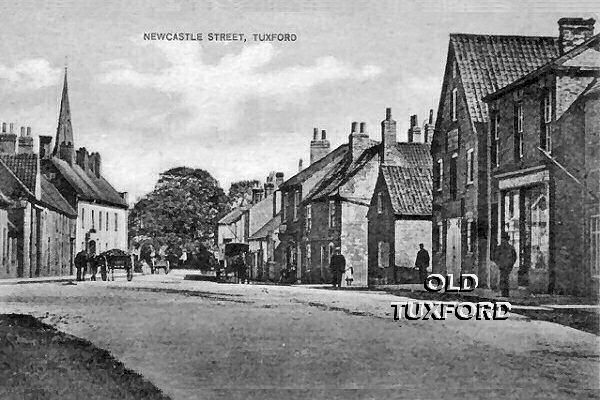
[116, 259]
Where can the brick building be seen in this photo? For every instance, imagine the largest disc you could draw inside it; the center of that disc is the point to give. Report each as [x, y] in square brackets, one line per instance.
[102, 211]
[545, 158]
[328, 207]
[476, 65]
[41, 223]
[399, 220]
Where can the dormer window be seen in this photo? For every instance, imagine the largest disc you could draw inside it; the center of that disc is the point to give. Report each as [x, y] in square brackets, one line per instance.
[454, 113]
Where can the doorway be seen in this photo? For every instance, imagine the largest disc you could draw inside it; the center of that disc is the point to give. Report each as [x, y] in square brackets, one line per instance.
[453, 248]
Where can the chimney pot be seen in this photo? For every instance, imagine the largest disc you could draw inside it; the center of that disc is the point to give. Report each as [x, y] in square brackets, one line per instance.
[22, 131]
[388, 114]
[354, 125]
[299, 165]
[12, 127]
[431, 116]
[413, 121]
[574, 31]
[28, 131]
[363, 127]
[315, 133]
[323, 135]
[4, 127]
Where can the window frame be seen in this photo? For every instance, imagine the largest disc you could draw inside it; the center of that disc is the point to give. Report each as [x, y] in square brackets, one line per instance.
[470, 166]
[454, 104]
[440, 180]
[331, 213]
[379, 203]
[308, 219]
[296, 204]
[454, 177]
[440, 247]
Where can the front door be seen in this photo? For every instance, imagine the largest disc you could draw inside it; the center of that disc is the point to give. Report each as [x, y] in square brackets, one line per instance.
[453, 248]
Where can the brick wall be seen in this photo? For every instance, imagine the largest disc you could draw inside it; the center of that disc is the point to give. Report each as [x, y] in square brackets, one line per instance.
[409, 234]
[444, 206]
[354, 243]
[381, 228]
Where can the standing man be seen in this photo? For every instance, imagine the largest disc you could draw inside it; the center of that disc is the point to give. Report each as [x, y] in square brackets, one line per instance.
[505, 257]
[422, 262]
[80, 264]
[337, 265]
[93, 263]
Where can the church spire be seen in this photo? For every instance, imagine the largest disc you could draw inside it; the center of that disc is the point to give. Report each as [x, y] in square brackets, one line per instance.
[63, 147]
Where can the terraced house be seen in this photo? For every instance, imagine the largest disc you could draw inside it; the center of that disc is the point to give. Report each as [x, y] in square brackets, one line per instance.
[38, 238]
[325, 206]
[464, 213]
[545, 158]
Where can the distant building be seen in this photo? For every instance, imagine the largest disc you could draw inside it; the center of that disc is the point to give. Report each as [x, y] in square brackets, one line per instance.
[102, 211]
[399, 220]
[41, 223]
[325, 205]
[8, 256]
[545, 158]
[245, 220]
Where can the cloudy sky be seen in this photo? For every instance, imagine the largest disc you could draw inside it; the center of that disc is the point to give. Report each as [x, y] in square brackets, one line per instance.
[237, 109]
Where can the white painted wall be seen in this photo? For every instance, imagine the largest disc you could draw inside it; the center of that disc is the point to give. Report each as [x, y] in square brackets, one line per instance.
[115, 237]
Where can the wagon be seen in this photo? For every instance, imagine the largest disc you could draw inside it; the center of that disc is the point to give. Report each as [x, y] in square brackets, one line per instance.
[160, 263]
[115, 259]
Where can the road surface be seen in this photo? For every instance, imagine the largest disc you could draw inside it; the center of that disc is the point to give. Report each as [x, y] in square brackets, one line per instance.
[202, 340]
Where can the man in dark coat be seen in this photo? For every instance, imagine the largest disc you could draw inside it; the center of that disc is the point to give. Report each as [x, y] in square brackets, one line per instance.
[337, 265]
[422, 262]
[93, 263]
[80, 264]
[505, 256]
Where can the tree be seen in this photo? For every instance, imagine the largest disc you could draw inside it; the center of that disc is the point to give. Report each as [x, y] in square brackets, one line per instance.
[241, 192]
[181, 212]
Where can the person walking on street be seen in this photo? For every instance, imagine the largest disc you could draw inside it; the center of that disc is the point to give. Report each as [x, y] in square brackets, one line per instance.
[337, 265]
[80, 264]
[505, 257]
[93, 263]
[422, 262]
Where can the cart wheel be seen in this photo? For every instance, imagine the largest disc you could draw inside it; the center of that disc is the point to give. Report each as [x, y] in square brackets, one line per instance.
[129, 274]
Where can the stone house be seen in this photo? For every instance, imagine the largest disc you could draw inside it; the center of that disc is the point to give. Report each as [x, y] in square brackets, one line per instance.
[329, 209]
[399, 220]
[545, 158]
[476, 66]
[102, 211]
[41, 223]
[8, 256]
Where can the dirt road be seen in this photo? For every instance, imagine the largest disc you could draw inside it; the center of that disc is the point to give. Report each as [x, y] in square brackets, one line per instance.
[202, 340]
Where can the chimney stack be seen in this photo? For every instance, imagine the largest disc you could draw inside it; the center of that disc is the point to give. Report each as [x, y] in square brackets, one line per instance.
[66, 153]
[45, 147]
[388, 136]
[8, 140]
[428, 128]
[278, 179]
[359, 141]
[82, 158]
[96, 164]
[269, 189]
[414, 132]
[319, 148]
[574, 31]
[25, 141]
[257, 195]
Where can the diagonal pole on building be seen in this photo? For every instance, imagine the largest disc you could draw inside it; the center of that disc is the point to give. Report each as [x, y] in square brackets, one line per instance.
[559, 165]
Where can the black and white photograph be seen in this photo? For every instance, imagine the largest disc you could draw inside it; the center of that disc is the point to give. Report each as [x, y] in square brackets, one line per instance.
[299, 199]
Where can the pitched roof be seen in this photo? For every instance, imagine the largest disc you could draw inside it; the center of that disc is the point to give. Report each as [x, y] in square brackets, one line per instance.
[586, 56]
[487, 63]
[410, 189]
[325, 162]
[404, 154]
[271, 226]
[24, 166]
[232, 216]
[87, 185]
[52, 197]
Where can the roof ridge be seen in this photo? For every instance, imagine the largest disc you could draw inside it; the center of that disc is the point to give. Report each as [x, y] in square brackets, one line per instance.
[454, 34]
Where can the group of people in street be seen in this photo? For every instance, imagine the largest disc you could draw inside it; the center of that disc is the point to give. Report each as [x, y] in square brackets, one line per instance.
[85, 261]
[504, 255]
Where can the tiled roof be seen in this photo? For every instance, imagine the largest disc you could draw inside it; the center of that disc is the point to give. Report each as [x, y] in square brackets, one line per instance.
[232, 216]
[404, 154]
[87, 185]
[410, 189]
[24, 166]
[586, 56]
[487, 63]
[52, 197]
[267, 228]
[332, 157]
